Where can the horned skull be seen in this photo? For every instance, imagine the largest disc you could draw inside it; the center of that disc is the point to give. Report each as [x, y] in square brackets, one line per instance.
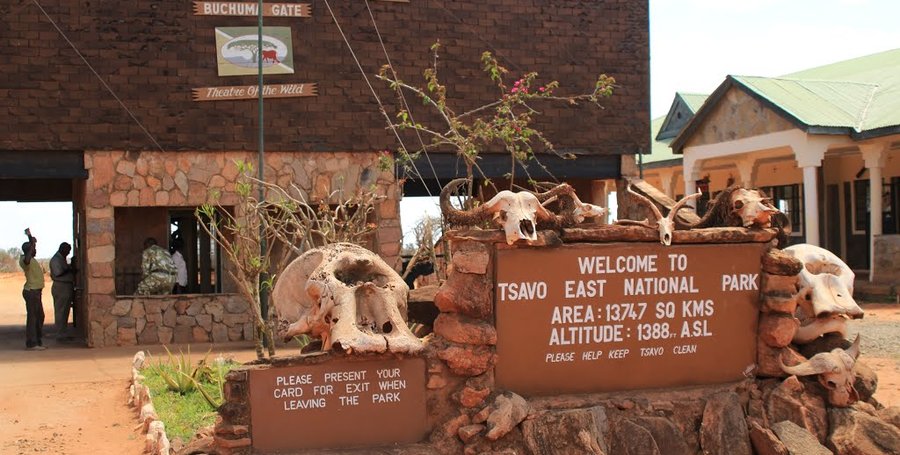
[826, 292]
[835, 370]
[517, 213]
[753, 207]
[348, 297]
[664, 224]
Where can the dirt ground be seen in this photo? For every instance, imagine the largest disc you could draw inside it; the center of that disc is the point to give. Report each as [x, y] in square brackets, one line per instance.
[67, 400]
[71, 400]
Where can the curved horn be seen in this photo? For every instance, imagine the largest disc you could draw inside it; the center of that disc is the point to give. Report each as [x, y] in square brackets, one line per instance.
[646, 201]
[455, 216]
[853, 350]
[818, 364]
[680, 204]
[555, 191]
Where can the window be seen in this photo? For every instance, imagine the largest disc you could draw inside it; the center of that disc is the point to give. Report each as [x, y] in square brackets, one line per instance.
[786, 198]
[167, 225]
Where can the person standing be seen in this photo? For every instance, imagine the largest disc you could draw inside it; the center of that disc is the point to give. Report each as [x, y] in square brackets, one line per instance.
[180, 269]
[157, 270]
[31, 292]
[62, 290]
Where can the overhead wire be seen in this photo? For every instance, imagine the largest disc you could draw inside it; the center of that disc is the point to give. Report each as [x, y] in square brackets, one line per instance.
[374, 94]
[400, 93]
[91, 67]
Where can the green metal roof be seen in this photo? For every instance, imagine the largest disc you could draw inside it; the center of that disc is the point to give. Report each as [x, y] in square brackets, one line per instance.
[815, 103]
[693, 100]
[660, 150]
[859, 97]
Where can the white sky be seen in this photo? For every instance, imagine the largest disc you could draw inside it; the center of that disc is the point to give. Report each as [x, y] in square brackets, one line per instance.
[694, 44]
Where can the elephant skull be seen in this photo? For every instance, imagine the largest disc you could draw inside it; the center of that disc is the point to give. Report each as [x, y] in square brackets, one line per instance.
[348, 297]
[835, 370]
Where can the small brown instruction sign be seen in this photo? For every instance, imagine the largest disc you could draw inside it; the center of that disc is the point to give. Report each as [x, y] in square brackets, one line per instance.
[597, 318]
[337, 404]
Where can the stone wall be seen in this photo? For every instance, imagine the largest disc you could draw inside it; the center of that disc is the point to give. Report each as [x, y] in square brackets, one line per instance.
[155, 179]
[768, 412]
[887, 259]
[189, 318]
[741, 116]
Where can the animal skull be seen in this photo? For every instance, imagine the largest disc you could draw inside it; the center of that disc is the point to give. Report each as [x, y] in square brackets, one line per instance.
[752, 207]
[835, 370]
[664, 224]
[517, 213]
[348, 297]
[826, 292]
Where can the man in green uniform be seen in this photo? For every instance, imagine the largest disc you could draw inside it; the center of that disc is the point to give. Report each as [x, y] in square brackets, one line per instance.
[31, 292]
[158, 270]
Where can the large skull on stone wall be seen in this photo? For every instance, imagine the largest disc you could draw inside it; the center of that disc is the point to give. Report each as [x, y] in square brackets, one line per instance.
[827, 292]
[348, 297]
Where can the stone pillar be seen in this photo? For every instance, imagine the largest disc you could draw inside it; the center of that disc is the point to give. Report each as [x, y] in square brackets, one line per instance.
[667, 179]
[691, 175]
[809, 157]
[600, 195]
[874, 157]
[747, 171]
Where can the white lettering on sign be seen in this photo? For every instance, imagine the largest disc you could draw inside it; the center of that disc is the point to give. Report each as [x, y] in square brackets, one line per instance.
[390, 397]
[660, 285]
[555, 357]
[584, 288]
[565, 336]
[294, 379]
[695, 329]
[312, 403]
[697, 308]
[344, 376]
[532, 290]
[575, 314]
[740, 282]
[652, 352]
[621, 264]
[685, 349]
[287, 9]
[591, 355]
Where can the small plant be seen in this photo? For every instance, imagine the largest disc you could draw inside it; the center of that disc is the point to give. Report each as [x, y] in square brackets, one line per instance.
[180, 374]
[213, 374]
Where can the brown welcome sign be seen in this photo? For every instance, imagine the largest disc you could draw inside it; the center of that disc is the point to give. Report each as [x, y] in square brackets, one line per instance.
[597, 318]
[251, 9]
[338, 404]
[246, 92]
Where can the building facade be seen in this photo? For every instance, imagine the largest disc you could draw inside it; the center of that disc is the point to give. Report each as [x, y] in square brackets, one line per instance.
[822, 142]
[137, 111]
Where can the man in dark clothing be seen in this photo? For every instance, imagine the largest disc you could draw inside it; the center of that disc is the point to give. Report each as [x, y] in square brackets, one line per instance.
[63, 289]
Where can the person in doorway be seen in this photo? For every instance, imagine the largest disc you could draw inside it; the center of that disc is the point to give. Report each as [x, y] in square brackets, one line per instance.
[157, 270]
[180, 268]
[31, 292]
[63, 289]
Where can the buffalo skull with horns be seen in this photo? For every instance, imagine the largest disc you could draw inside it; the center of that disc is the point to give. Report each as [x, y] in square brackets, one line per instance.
[835, 370]
[521, 214]
[664, 224]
